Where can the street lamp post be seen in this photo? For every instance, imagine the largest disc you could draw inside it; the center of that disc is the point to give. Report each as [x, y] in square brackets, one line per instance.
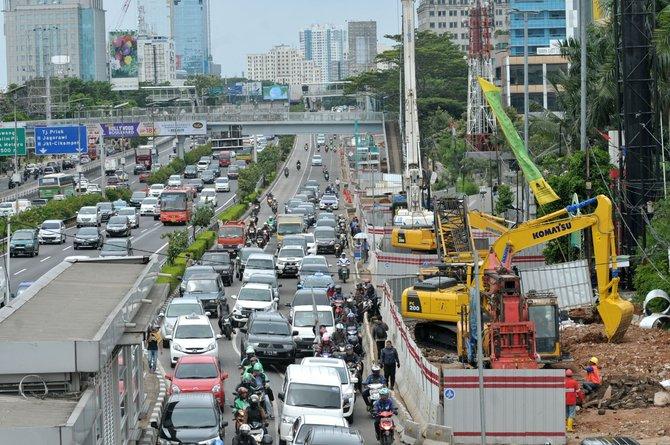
[13, 92]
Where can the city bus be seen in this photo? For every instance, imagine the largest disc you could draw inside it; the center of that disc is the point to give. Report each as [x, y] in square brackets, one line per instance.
[55, 184]
[176, 206]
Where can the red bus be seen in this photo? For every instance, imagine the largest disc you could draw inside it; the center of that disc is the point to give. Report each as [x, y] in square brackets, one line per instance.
[176, 206]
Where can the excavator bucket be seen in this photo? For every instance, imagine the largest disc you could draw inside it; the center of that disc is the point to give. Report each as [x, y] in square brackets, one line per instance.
[616, 314]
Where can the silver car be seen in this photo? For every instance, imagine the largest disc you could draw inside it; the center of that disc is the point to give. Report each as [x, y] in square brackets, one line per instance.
[133, 216]
[89, 216]
[177, 308]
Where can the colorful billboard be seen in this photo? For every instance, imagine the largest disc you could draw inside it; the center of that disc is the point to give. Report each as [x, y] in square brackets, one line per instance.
[275, 92]
[158, 128]
[123, 63]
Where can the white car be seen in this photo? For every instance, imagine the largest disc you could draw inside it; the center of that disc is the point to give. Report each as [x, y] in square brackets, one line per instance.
[149, 207]
[302, 321]
[258, 263]
[92, 188]
[222, 185]
[348, 390]
[321, 139]
[202, 165]
[156, 190]
[208, 195]
[304, 424]
[52, 231]
[252, 297]
[317, 161]
[193, 334]
[177, 308]
[289, 259]
[311, 243]
[89, 216]
[174, 181]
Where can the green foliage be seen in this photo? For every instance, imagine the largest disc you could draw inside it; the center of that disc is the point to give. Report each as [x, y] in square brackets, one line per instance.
[203, 242]
[265, 167]
[202, 216]
[233, 213]
[177, 165]
[177, 243]
[467, 187]
[504, 199]
[651, 270]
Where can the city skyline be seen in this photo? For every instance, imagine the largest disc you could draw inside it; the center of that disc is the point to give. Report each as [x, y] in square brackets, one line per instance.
[256, 26]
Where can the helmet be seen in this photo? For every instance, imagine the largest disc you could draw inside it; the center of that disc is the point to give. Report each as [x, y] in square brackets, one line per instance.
[247, 377]
[326, 337]
[351, 315]
[384, 392]
[376, 369]
[338, 288]
[568, 372]
[593, 360]
[245, 429]
[349, 348]
[343, 255]
[339, 326]
[250, 350]
[242, 391]
[257, 367]
[254, 398]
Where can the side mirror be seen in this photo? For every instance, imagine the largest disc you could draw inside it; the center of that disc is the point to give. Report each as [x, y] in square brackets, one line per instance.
[279, 285]
[224, 375]
[280, 396]
[168, 376]
[154, 424]
[276, 300]
[234, 297]
[208, 313]
[219, 336]
[224, 424]
[296, 333]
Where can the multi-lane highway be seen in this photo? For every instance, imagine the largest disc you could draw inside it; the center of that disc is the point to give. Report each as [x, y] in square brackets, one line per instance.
[229, 351]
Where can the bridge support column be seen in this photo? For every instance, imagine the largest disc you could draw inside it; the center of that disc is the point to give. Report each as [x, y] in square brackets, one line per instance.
[181, 146]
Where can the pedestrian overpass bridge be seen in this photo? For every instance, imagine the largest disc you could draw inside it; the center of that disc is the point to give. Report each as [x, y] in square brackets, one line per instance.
[253, 120]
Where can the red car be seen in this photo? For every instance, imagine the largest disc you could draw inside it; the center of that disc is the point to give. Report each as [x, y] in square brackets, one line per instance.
[143, 176]
[198, 373]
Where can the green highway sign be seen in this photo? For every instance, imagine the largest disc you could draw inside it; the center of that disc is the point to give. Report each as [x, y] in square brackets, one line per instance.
[8, 142]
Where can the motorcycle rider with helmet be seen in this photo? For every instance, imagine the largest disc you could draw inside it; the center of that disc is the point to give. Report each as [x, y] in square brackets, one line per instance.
[255, 412]
[354, 360]
[297, 165]
[374, 378]
[325, 346]
[257, 380]
[246, 361]
[339, 337]
[244, 436]
[385, 403]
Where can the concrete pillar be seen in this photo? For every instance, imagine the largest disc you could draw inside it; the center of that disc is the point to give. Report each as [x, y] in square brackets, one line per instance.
[181, 149]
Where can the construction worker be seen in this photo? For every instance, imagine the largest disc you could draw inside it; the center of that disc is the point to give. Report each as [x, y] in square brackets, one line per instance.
[593, 377]
[573, 394]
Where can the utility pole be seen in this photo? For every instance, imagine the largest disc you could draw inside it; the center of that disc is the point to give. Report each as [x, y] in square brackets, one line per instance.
[8, 290]
[525, 106]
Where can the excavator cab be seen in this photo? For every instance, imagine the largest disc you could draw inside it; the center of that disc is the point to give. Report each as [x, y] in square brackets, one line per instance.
[422, 239]
[543, 311]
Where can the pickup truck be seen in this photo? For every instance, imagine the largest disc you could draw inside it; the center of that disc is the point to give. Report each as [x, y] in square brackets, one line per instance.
[111, 166]
[232, 236]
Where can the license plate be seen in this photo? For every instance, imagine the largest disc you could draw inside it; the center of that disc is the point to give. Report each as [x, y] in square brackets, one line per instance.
[270, 352]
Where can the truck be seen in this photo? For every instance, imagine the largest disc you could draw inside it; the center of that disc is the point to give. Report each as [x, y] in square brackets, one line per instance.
[143, 155]
[289, 225]
[111, 166]
[232, 236]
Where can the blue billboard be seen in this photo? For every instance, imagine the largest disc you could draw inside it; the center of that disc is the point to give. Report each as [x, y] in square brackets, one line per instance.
[61, 140]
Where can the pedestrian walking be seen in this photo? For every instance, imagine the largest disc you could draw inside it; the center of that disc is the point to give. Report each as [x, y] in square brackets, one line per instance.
[366, 248]
[573, 395]
[379, 334]
[153, 339]
[390, 361]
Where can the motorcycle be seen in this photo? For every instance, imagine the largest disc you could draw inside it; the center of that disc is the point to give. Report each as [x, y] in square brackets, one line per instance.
[374, 392]
[297, 166]
[355, 371]
[273, 207]
[259, 433]
[338, 249]
[343, 273]
[353, 338]
[255, 210]
[386, 431]
[227, 327]
[306, 147]
[326, 176]
[286, 172]
[260, 241]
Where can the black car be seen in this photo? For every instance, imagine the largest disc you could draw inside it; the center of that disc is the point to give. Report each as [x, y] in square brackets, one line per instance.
[196, 183]
[193, 417]
[118, 226]
[208, 176]
[24, 242]
[273, 335]
[222, 264]
[214, 167]
[136, 199]
[54, 165]
[106, 210]
[139, 168]
[191, 172]
[68, 163]
[88, 237]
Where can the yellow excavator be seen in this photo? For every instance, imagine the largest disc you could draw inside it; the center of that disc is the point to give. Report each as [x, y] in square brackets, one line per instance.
[442, 298]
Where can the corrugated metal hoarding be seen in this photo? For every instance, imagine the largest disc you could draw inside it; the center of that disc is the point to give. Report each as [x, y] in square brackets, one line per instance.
[521, 406]
[570, 282]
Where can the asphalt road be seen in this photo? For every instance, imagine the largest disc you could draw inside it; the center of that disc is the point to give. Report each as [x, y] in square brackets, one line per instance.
[146, 239]
[229, 351]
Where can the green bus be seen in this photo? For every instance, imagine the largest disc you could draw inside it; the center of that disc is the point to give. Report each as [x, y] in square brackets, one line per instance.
[56, 184]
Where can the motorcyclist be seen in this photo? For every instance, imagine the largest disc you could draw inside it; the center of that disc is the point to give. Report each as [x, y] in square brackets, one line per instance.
[224, 313]
[325, 346]
[248, 368]
[343, 261]
[337, 294]
[242, 400]
[375, 377]
[297, 165]
[255, 412]
[351, 320]
[385, 403]
[306, 146]
[339, 337]
[266, 232]
[286, 172]
[246, 361]
[257, 380]
[350, 357]
[244, 436]
[337, 183]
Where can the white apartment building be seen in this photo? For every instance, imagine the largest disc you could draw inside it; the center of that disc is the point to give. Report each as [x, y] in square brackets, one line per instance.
[283, 64]
[327, 47]
[156, 57]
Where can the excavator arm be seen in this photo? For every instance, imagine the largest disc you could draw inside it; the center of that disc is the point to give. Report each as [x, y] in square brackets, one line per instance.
[615, 312]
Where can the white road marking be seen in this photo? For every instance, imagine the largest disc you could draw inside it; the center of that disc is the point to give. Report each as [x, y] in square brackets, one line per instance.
[143, 230]
[234, 342]
[44, 259]
[21, 271]
[161, 247]
[68, 247]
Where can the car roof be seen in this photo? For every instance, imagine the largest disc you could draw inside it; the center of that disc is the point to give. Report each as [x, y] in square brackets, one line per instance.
[263, 256]
[184, 300]
[323, 361]
[309, 308]
[193, 399]
[313, 374]
[318, 257]
[193, 319]
[264, 275]
[204, 276]
[315, 419]
[200, 269]
[334, 435]
[257, 286]
[268, 316]
[53, 221]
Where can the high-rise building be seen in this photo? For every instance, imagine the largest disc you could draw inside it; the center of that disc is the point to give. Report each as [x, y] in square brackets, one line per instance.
[156, 58]
[190, 28]
[283, 64]
[362, 47]
[38, 31]
[155, 18]
[546, 25]
[452, 16]
[327, 47]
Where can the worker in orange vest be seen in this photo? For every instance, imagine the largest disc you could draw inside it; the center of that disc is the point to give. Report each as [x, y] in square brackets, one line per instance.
[593, 377]
[573, 394]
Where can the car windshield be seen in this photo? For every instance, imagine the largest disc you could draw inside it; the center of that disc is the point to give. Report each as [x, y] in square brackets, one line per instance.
[324, 233]
[127, 211]
[23, 235]
[194, 331]
[302, 319]
[87, 231]
[138, 195]
[114, 246]
[291, 252]
[196, 371]
[174, 178]
[246, 253]
[50, 226]
[117, 220]
[263, 279]
[329, 198]
[215, 259]
[202, 286]
[196, 269]
[222, 181]
[314, 260]
[325, 223]
[309, 297]
[88, 211]
[183, 418]
[177, 310]
[157, 187]
[289, 228]
[149, 201]
[293, 203]
[260, 263]
[269, 328]
[314, 396]
[317, 281]
[251, 294]
[231, 232]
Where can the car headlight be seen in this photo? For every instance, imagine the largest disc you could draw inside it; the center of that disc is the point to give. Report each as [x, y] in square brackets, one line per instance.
[287, 419]
[175, 389]
[254, 345]
[216, 388]
[211, 346]
[177, 347]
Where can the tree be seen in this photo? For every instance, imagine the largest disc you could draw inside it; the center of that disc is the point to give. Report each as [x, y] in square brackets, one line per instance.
[504, 199]
[202, 217]
[177, 243]
[652, 263]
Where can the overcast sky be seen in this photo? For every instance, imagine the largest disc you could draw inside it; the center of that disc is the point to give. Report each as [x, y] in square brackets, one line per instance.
[240, 27]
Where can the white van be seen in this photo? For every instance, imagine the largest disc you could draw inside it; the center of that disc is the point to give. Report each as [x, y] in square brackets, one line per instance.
[259, 263]
[302, 320]
[309, 390]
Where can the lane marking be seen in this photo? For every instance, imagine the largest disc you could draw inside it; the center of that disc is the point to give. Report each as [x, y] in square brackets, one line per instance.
[22, 270]
[161, 248]
[143, 230]
[68, 247]
[44, 259]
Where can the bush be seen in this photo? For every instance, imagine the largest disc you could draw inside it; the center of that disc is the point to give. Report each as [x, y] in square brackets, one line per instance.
[177, 165]
[233, 212]
[203, 242]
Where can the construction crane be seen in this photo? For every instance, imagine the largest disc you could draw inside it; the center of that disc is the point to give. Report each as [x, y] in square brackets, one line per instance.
[413, 224]
[122, 14]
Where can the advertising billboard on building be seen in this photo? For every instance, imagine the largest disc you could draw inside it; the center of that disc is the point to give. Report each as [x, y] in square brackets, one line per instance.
[123, 63]
[275, 92]
[158, 128]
